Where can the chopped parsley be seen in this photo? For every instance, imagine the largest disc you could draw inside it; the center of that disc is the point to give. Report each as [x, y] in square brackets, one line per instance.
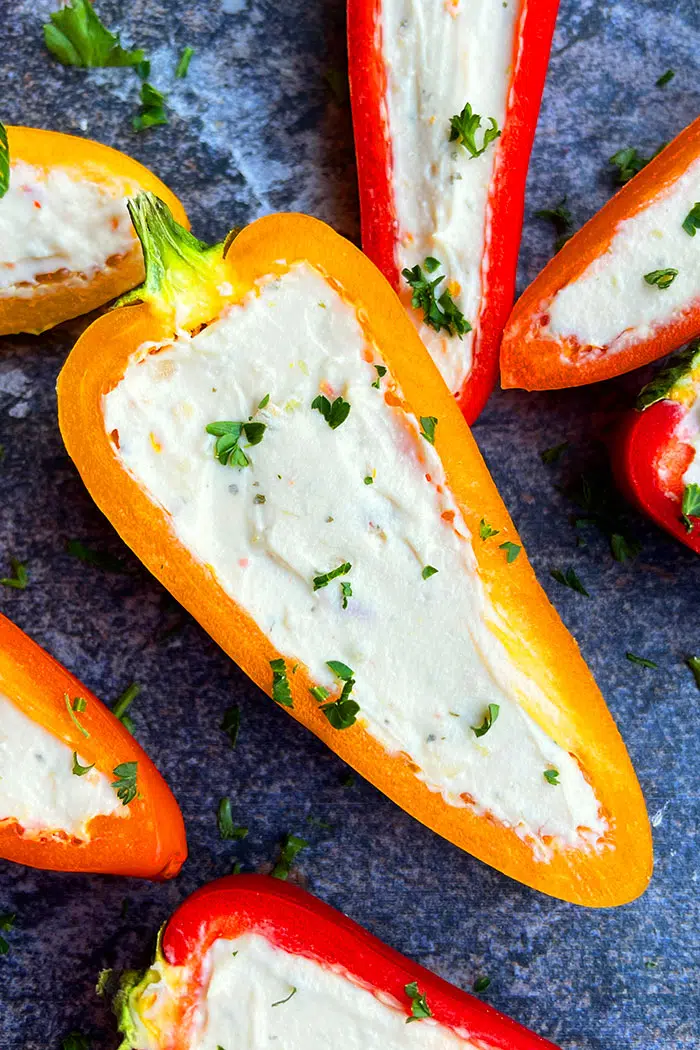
[629, 162]
[152, 112]
[79, 705]
[77, 37]
[100, 559]
[481, 984]
[281, 693]
[569, 578]
[641, 661]
[4, 161]
[334, 414]
[512, 550]
[490, 717]
[346, 592]
[486, 531]
[369, 480]
[463, 129]
[666, 77]
[319, 692]
[224, 820]
[381, 372]
[341, 712]
[231, 723]
[75, 1041]
[595, 498]
[419, 1004]
[125, 784]
[78, 770]
[690, 223]
[690, 506]
[259, 499]
[7, 923]
[122, 703]
[228, 435]
[661, 278]
[281, 1002]
[553, 454]
[184, 63]
[264, 403]
[19, 578]
[693, 662]
[427, 428]
[551, 776]
[325, 578]
[560, 218]
[428, 571]
[291, 846]
[439, 313]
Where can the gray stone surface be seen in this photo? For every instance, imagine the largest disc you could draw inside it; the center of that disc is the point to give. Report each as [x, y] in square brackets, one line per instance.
[257, 126]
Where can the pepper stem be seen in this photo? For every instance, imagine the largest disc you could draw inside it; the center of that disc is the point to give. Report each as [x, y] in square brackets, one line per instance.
[186, 279]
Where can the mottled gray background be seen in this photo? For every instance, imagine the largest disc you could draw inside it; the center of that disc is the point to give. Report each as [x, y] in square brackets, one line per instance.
[262, 123]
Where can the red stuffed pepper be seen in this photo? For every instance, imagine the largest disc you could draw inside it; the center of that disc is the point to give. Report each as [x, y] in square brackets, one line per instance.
[445, 96]
[657, 459]
[252, 961]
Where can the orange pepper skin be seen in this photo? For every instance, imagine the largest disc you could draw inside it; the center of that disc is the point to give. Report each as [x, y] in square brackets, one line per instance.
[534, 360]
[534, 635]
[150, 840]
[58, 301]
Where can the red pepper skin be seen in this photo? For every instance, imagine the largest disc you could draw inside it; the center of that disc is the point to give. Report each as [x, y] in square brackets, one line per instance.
[532, 43]
[297, 922]
[647, 443]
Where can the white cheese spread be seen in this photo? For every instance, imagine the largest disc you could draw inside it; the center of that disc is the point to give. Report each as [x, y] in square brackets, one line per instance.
[38, 789]
[439, 55]
[256, 995]
[611, 305]
[426, 661]
[53, 221]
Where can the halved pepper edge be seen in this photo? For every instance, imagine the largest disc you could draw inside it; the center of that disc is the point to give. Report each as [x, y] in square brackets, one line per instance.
[295, 921]
[59, 301]
[649, 456]
[149, 841]
[204, 281]
[533, 360]
[532, 43]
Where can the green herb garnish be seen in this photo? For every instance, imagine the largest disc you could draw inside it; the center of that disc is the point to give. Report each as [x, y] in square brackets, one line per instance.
[19, 578]
[100, 559]
[553, 454]
[334, 414]
[512, 550]
[77, 37]
[666, 77]
[289, 849]
[340, 670]
[419, 1005]
[481, 984]
[231, 723]
[4, 161]
[325, 578]
[428, 571]
[152, 112]
[228, 435]
[125, 784]
[551, 776]
[7, 923]
[79, 705]
[184, 63]
[369, 480]
[439, 313]
[427, 428]
[342, 712]
[78, 770]
[122, 703]
[690, 223]
[693, 662]
[486, 531]
[346, 592]
[490, 717]
[319, 692]
[569, 578]
[629, 162]
[641, 661]
[690, 506]
[281, 693]
[381, 372]
[560, 218]
[75, 1041]
[661, 278]
[463, 129]
[281, 1002]
[224, 820]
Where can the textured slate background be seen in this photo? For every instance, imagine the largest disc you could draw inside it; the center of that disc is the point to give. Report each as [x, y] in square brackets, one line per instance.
[262, 123]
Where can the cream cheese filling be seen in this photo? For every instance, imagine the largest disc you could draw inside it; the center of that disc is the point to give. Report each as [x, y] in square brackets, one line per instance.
[426, 661]
[38, 789]
[611, 305]
[439, 55]
[54, 221]
[256, 995]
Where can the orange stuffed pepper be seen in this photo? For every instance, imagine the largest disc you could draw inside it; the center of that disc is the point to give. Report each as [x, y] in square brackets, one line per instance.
[66, 243]
[267, 432]
[77, 793]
